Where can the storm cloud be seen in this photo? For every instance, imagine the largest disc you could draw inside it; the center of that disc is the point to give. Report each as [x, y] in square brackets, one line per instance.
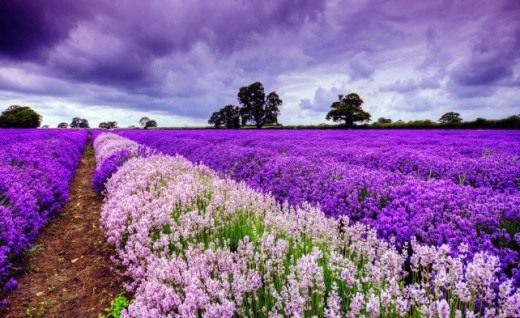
[181, 60]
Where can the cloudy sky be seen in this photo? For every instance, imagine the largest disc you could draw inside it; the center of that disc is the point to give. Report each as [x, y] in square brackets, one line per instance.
[178, 61]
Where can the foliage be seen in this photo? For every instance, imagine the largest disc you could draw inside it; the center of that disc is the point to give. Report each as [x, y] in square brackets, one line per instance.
[108, 125]
[146, 123]
[143, 121]
[63, 125]
[450, 118]
[216, 119]
[382, 120]
[116, 307]
[39, 312]
[347, 110]
[150, 124]
[79, 123]
[228, 116]
[511, 122]
[257, 107]
[16, 116]
[272, 109]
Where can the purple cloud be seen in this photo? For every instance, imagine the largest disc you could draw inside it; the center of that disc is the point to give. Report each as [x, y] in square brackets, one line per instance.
[322, 99]
[28, 28]
[410, 85]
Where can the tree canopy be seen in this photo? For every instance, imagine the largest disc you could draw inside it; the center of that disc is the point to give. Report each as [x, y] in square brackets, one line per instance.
[79, 123]
[146, 122]
[450, 118]
[216, 119]
[257, 107]
[228, 116]
[383, 120]
[63, 125]
[16, 116]
[108, 125]
[150, 124]
[143, 120]
[347, 110]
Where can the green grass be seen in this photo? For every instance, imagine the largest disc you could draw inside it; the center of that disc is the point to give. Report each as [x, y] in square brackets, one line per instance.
[116, 307]
[37, 312]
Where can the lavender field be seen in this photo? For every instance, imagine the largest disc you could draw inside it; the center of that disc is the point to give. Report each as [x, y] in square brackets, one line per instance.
[314, 223]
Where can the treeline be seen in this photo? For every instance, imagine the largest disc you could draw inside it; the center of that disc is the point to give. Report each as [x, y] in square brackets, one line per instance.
[511, 122]
[16, 116]
[77, 122]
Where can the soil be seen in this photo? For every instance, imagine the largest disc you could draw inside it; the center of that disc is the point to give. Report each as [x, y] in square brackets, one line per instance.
[68, 273]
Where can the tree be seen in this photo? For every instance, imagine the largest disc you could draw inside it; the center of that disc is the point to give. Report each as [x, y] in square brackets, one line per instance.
[108, 125]
[480, 121]
[216, 119]
[150, 124]
[112, 124]
[143, 120]
[231, 116]
[16, 116]
[79, 123]
[348, 110]
[450, 118]
[228, 116]
[272, 108]
[383, 120]
[63, 125]
[257, 107]
[245, 116]
[146, 122]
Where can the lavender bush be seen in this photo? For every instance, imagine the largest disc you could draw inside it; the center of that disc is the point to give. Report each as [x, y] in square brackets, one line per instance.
[197, 245]
[35, 171]
[112, 152]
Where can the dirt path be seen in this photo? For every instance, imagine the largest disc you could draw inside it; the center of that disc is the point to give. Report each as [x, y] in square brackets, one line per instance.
[68, 272]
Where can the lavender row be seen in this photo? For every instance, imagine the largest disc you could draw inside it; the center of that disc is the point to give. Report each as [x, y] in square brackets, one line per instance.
[398, 205]
[35, 173]
[478, 159]
[194, 244]
[111, 152]
[11, 136]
